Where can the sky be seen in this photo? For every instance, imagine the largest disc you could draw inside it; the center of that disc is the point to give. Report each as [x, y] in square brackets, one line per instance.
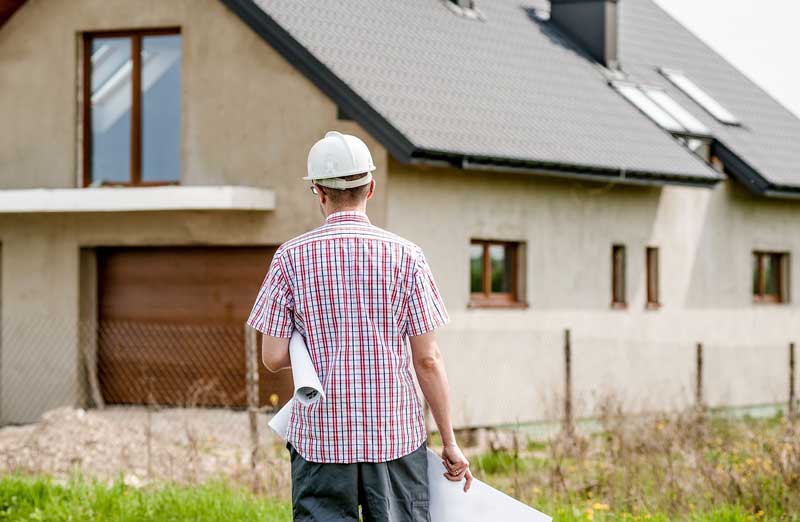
[760, 37]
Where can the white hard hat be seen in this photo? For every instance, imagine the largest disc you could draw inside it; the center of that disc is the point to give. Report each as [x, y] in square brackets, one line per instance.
[338, 155]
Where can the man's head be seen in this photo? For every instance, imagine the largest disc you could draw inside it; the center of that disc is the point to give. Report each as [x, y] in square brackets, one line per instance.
[335, 199]
[340, 170]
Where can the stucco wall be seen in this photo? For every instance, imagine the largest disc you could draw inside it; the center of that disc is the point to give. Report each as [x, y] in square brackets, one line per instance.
[507, 365]
[248, 118]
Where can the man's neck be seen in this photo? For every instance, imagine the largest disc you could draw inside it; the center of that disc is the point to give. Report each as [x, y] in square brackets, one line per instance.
[361, 208]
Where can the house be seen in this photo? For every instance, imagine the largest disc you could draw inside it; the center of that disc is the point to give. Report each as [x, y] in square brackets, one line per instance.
[588, 165]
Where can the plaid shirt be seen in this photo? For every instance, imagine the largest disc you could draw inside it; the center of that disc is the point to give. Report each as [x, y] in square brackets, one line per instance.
[355, 292]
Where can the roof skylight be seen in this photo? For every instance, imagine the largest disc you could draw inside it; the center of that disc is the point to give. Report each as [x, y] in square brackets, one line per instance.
[692, 124]
[700, 96]
[662, 109]
[654, 111]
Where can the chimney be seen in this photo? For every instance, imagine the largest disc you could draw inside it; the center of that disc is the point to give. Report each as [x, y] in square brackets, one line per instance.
[593, 23]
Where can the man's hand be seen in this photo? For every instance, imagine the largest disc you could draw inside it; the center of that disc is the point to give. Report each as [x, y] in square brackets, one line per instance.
[457, 465]
[275, 353]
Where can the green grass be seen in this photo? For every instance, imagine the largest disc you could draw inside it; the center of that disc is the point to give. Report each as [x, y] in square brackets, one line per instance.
[687, 467]
[81, 500]
[717, 514]
[39, 499]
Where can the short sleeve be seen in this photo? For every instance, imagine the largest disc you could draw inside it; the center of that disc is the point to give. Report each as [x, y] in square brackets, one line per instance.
[426, 310]
[274, 306]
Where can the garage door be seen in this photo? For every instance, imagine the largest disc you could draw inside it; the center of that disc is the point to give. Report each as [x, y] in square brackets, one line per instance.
[171, 326]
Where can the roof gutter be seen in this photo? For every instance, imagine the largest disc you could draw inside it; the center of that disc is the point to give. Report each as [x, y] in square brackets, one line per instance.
[550, 169]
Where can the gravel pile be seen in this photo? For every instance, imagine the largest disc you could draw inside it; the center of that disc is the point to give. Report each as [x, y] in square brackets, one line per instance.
[183, 445]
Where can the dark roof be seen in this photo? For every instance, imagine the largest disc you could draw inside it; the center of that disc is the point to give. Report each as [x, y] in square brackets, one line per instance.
[764, 151]
[511, 91]
[8, 8]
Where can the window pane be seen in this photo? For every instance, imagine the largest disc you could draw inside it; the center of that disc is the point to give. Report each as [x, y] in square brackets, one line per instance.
[675, 110]
[652, 275]
[701, 97]
[501, 260]
[161, 108]
[111, 109]
[476, 268]
[756, 274]
[618, 274]
[772, 269]
[648, 106]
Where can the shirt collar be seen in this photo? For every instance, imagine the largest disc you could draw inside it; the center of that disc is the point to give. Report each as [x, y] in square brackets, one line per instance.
[344, 216]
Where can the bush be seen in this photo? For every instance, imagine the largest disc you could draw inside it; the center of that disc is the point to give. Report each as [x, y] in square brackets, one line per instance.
[684, 466]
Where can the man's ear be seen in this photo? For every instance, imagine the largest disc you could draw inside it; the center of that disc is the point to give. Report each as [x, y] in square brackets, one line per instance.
[371, 189]
[321, 195]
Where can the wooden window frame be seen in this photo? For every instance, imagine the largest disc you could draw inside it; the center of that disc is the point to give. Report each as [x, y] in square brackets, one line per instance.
[653, 277]
[487, 298]
[761, 297]
[619, 302]
[135, 36]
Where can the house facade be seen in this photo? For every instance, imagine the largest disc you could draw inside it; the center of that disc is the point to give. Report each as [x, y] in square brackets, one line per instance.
[151, 161]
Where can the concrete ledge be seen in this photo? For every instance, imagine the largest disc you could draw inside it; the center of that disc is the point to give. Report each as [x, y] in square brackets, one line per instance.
[136, 199]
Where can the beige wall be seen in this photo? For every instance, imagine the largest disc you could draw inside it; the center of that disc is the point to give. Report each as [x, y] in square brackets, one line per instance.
[507, 365]
[248, 118]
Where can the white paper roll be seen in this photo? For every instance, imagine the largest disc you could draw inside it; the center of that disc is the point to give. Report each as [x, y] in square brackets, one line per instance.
[307, 387]
[448, 502]
[280, 421]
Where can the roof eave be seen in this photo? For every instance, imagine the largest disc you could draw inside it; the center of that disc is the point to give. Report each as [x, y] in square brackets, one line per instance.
[748, 176]
[561, 170]
[8, 8]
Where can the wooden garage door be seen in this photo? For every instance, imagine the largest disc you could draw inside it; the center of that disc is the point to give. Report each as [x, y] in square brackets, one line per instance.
[171, 326]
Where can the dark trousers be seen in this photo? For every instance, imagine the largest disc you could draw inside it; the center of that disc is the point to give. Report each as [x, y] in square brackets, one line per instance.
[393, 491]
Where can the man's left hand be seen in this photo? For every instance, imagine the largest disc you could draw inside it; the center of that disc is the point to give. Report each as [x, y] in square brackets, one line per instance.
[457, 465]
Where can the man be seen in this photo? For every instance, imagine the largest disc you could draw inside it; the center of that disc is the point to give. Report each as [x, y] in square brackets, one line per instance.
[355, 292]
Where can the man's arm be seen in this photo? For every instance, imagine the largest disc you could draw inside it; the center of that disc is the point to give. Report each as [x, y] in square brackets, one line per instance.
[432, 379]
[275, 353]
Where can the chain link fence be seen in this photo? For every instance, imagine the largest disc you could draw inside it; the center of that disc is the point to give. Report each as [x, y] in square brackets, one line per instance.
[148, 401]
[151, 401]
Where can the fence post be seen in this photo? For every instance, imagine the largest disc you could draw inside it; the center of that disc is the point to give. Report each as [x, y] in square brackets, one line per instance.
[569, 424]
[251, 357]
[792, 406]
[698, 384]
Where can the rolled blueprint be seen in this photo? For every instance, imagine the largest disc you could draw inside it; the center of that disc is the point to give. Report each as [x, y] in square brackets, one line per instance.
[307, 388]
[448, 502]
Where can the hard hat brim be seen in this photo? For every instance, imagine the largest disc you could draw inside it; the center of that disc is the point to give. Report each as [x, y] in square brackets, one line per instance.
[341, 184]
[342, 174]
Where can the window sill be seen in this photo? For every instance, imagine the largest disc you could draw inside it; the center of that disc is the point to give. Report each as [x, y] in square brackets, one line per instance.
[109, 184]
[136, 199]
[767, 302]
[619, 306]
[497, 304]
[653, 306]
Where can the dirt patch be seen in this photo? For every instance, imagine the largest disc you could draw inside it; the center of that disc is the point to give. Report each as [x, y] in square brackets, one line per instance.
[183, 445]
